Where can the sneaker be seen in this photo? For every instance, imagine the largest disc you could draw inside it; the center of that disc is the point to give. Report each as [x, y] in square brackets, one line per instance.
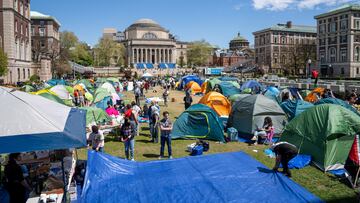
[132, 159]
[170, 157]
[160, 157]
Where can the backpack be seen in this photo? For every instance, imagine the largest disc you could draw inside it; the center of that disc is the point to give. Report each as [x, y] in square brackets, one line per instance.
[204, 144]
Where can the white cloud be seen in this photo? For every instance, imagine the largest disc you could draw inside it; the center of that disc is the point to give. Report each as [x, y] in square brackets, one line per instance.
[278, 5]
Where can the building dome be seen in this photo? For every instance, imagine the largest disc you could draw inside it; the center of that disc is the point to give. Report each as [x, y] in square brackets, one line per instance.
[239, 38]
[238, 43]
[145, 23]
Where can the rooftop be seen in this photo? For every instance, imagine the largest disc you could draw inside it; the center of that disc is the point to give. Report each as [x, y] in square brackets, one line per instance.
[343, 8]
[239, 38]
[40, 16]
[288, 27]
[146, 23]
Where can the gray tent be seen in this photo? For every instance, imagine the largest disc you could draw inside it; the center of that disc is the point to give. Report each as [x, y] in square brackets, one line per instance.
[248, 114]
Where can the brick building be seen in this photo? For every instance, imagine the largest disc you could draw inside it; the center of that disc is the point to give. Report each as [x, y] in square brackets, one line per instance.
[45, 43]
[15, 39]
[274, 45]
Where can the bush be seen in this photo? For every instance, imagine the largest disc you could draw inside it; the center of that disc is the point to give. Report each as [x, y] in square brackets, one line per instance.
[34, 78]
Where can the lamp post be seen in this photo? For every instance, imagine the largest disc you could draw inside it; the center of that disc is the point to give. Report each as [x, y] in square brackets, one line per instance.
[308, 72]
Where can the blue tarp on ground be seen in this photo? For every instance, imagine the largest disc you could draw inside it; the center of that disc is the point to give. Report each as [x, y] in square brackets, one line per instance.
[227, 177]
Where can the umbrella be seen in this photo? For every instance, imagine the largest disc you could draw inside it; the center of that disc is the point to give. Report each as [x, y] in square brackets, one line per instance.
[35, 123]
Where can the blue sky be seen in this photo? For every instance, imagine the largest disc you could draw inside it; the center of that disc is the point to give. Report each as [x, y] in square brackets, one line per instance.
[216, 21]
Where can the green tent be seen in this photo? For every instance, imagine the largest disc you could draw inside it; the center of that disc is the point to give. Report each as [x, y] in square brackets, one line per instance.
[326, 132]
[249, 113]
[198, 121]
[236, 97]
[100, 94]
[211, 84]
[112, 79]
[52, 98]
[28, 88]
[70, 89]
[95, 115]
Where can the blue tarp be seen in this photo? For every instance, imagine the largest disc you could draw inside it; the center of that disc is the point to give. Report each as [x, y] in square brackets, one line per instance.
[186, 79]
[294, 108]
[227, 177]
[253, 85]
[227, 78]
[54, 82]
[228, 89]
[103, 103]
[149, 65]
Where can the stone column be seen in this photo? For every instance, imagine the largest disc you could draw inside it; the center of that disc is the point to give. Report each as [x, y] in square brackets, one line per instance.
[133, 55]
[155, 55]
[142, 55]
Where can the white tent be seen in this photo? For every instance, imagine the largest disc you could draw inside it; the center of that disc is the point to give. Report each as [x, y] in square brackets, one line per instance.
[147, 75]
[61, 91]
[30, 123]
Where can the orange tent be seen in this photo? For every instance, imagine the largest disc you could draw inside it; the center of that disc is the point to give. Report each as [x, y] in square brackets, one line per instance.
[218, 102]
[194, 87]
[315, 95]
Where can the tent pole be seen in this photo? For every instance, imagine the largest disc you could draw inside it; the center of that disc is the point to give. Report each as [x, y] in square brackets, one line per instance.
[357, 176]
[64, 180]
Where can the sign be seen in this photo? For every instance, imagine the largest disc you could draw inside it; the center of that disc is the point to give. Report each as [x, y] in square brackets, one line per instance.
[213, 71]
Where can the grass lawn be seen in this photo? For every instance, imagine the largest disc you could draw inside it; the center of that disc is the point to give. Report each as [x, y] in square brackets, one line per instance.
[325, 186]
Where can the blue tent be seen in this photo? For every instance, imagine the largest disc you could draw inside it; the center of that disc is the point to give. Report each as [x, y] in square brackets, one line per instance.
[294, 108]
[228, 89]
[103, 103]
[198, 121]
[337, 102]
[54, 82]
[226, 177]
[186, 79]
[253, 85]
[272, 93]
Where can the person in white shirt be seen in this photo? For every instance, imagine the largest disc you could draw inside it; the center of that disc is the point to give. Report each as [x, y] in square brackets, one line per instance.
[97, 139]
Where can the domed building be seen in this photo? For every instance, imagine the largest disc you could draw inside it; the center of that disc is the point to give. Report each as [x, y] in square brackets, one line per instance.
[238, 43]
[149, 45]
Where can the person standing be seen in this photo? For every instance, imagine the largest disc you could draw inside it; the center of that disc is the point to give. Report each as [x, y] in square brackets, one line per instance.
[17, 186]
[97, 139]
[76, 97]
[284, 153]
[137, 93]
[154, 127]
[127, 133]
[166, 128]
[81, 98]
[187, 100]
[166, 96]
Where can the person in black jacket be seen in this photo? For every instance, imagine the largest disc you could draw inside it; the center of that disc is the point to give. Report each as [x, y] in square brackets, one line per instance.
[284, 153]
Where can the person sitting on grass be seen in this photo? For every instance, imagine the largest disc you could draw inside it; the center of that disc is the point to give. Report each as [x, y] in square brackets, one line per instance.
[127, 133]
[166, 128]
[265, 133]
[97, 139]
[284, 153]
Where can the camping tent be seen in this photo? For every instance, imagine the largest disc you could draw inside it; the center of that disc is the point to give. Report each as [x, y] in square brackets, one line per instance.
[293, 92]
[194, 87]
[204, 87]
[253, 85]
[95, 116]
[217, 102]
[272, 93]
[100, 94]
[295, 107]
[35, 123]
[337, 102]
[229, 79]
[54, 82]
[211, 84]
[147, 75]
[186, 79]
[315, 95]
[61, 91]
[229, 88]
[249, 113]
[109, 87]
[236, 97]
[198, 121]
[52, 97]
[28, 88]
[326, 132]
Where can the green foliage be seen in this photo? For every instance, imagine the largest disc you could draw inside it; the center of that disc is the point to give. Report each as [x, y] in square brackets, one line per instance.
[68, 40]
[198, 53]
[81, 54]
[3, 63]
[34, 78]
[109, 53]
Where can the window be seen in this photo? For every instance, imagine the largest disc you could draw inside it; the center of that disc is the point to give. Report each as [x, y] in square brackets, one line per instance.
[357, 70]
[342, 71]
[16, 26]
[343, 25]
[322, 29]
[283, 40]
[28, 73]
[357, 24]
[149, 35]
[24, 76]
[42, 23]
[333, 27]
[21, 29]
[18, 73]
[343, 39]
[322, 58]
[275, 39]
[283, 59]
[343, 55]
[16, 48]
[15, 5]
[357, 54]
[332, 54]
[21, 8]
[32, 31]
[42, 32]
[42, 43]
[1, 42]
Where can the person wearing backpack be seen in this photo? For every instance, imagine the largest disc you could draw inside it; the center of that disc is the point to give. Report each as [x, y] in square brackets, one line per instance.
[188, 100]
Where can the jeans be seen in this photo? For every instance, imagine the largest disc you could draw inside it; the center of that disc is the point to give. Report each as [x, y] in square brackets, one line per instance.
[154, 131]
[137, 100]
[285, 158]
[166, 139]
[129, 146]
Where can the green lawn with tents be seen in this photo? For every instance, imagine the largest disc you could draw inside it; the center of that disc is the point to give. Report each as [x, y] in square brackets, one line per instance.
[324, 185]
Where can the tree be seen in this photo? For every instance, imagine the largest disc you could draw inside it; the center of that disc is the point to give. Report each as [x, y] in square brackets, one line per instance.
[68, 40]
[109, 53]
[299, 56]
[3, 63]
[81, 54]
[198, 53]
